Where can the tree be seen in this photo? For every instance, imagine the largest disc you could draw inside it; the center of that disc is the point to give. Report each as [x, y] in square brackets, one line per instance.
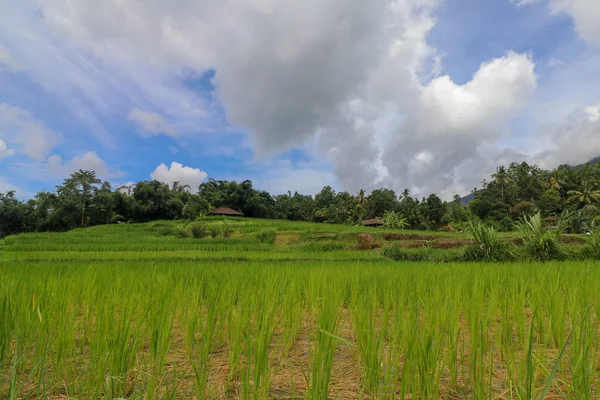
[76, 194]
[380, 201]
[13, 214]
[584, 196]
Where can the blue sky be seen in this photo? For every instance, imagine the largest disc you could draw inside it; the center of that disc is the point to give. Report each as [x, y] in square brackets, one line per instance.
[429, 95]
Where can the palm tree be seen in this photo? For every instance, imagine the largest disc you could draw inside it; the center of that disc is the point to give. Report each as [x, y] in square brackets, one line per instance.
[555, 183]
[585, 196]
[178, 187]
[502, 178]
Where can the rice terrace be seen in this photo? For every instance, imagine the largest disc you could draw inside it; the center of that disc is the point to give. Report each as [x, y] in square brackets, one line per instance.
[285, 310]
[299, 199]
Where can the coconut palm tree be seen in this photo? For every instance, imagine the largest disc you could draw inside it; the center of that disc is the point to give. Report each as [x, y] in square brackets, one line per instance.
[178, 187]
[584, 196]
[502, 179]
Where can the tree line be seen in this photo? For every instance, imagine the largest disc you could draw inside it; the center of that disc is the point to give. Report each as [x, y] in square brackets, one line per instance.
[85, 200]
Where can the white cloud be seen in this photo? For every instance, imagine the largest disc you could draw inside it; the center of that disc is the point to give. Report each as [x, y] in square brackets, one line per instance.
[151, 124]
[5, 151]
[576, 141]
[585, 14]
[6, 186]
[89, 161]
[178, 173]
[32, 138]
[346, 74]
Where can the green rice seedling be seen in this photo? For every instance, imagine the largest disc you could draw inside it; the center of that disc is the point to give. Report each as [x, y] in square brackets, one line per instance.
[488, 247]
[161, 326]
[7, 326]
[261, 342]
[541, 243]
[370, 340]
[292, 318]
[208, 329]
[237, 332]
[324, 346]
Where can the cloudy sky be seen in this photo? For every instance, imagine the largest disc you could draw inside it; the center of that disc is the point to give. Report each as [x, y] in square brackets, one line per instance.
[428, 95]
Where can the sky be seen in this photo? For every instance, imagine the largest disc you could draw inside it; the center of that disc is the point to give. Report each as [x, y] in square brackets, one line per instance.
[429, 95]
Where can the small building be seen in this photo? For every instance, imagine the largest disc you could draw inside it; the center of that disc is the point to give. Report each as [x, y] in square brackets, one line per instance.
[551, 222]
[226, 212]
[373, 222]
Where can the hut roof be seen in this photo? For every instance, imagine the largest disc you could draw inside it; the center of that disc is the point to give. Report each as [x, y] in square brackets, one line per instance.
[373, 222]
[551, 219]
[226, 211]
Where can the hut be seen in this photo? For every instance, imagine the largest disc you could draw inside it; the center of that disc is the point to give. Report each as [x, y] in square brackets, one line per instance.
[226, 212]
[373, 222]
[551, 222]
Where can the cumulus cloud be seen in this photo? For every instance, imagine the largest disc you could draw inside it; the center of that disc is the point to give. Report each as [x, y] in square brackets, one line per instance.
[585, 14]
[89, 161]
[32, 138]
[4, 150]
[576, 141]
[178, 173]
[151, 124]
[348, 74]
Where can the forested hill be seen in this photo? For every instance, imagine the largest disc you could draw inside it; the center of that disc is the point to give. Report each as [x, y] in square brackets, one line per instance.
[84, 200]
[471, 196]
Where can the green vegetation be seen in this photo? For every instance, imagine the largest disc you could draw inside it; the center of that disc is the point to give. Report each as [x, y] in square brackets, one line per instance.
[569, 194]
[282, 309]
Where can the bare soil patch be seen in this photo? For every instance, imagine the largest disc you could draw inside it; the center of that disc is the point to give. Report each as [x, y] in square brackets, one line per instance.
[367, 242]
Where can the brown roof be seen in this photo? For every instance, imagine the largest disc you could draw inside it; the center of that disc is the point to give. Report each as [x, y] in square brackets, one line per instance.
[551, 219]
[373, 222]
[225, 211]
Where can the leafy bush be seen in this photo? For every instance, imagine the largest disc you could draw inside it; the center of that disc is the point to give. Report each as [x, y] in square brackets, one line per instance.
[197, 230]
[394, 220]
[226, 229]
[591, 248]
[167, 231]
[398, 253]
[215, 231]
[488, 247]
[267, 236]
[541, 243]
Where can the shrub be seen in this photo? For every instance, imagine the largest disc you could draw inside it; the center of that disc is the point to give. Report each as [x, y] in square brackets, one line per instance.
[167, 231]
[541, 244]
[488, 247]
[267, 236]
[226, 229]
[197, 230]
[591, 248]
[215, 231]
[394, 220]
[398, 253]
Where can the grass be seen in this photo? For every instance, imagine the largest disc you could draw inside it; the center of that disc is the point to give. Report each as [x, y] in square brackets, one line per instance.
[129, 312]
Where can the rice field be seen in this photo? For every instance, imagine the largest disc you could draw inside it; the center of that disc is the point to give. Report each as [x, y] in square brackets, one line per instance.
[130, 311]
